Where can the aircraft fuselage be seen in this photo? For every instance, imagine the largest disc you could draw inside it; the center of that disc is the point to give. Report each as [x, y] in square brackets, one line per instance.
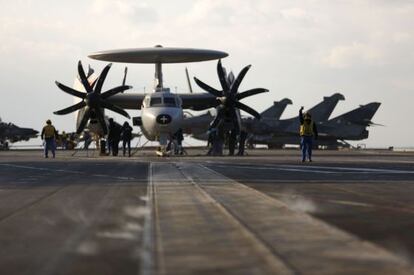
[161, 115]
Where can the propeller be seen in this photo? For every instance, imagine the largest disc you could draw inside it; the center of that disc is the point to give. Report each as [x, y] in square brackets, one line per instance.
[229, 97]
[94, 101]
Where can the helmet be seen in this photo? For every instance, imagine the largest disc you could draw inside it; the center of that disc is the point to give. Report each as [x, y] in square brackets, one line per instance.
[48, 121]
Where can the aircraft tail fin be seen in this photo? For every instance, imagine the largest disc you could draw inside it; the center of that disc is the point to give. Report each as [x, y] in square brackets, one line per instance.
[90, 71]
[276, 110]
[323, 110]
[361, 115]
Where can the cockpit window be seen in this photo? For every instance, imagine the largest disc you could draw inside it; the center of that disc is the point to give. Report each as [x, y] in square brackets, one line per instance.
[169, 101]
[155, 101]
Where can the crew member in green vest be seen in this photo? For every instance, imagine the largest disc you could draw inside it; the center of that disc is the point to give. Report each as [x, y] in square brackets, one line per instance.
[307, 132]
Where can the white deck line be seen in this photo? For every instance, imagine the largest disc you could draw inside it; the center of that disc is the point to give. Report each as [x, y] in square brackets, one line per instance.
[318, 169]
[147, 255]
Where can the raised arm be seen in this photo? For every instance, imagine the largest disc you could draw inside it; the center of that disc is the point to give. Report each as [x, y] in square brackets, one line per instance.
[301, 120]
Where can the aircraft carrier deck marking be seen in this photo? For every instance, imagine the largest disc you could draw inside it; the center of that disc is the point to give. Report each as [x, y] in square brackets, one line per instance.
[318, 169]
[194, 233]
[203, 217]
[147, 255]
[65, 171]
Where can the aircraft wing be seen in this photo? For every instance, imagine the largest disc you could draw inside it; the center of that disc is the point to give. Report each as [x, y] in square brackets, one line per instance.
[127, 100]
[197, 124]
[199, 101]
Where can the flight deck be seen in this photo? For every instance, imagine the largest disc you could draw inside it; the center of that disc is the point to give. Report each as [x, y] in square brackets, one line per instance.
[348, 212]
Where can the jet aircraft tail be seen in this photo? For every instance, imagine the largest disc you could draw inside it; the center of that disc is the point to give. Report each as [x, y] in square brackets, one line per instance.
[323, 110]
[276, 110]
[359, 116]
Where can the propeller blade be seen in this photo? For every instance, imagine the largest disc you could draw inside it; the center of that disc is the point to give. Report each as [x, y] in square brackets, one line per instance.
[114, 108]
[235, 118]
[70, 91]
[101, 119]
[218, 118]
[247, 109]
[83, 122]
[71, 109]
[222, 77]
[101, 78]
[215, 122]
[93, 83]
[114, 91]
[207, 88]
[236, 83]
[83, 78]
[251, 92]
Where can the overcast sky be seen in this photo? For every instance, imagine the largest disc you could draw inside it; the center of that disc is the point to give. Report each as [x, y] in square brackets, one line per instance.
[302, 50]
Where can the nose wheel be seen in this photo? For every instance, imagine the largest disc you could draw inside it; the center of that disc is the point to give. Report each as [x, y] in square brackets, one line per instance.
[163, 153]
[162, 149]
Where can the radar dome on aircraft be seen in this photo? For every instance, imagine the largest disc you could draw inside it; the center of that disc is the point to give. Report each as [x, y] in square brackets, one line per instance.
[158, 54]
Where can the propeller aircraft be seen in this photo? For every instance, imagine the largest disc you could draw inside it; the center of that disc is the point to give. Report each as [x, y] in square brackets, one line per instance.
[162, 112]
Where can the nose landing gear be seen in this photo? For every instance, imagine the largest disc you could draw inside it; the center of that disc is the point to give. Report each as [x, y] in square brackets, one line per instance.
[162, 149]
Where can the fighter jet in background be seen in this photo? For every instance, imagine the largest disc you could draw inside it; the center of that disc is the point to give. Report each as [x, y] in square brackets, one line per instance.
[10, 132]
[333, 133]
[270, 124]
[349, 126]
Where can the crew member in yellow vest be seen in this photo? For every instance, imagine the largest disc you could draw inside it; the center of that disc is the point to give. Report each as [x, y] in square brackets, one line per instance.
[308, 132]
[49, 135]
[64, 140]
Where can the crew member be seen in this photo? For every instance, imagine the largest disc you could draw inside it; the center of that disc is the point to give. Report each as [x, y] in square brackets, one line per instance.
[49, 135]
[232, 139]
[114, 136]
[218, 141]
[87, 141]
[126, 132]
[64, 140]
[179, 137]
[242, 142]
[308, 131]
[212, 133]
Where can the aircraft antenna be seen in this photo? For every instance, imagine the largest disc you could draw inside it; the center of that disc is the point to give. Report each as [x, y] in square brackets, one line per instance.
[158, 75]
[125, 75]
[188, 80]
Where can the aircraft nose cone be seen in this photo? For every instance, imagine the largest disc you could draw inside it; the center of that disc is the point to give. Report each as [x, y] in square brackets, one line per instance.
[163, 119]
